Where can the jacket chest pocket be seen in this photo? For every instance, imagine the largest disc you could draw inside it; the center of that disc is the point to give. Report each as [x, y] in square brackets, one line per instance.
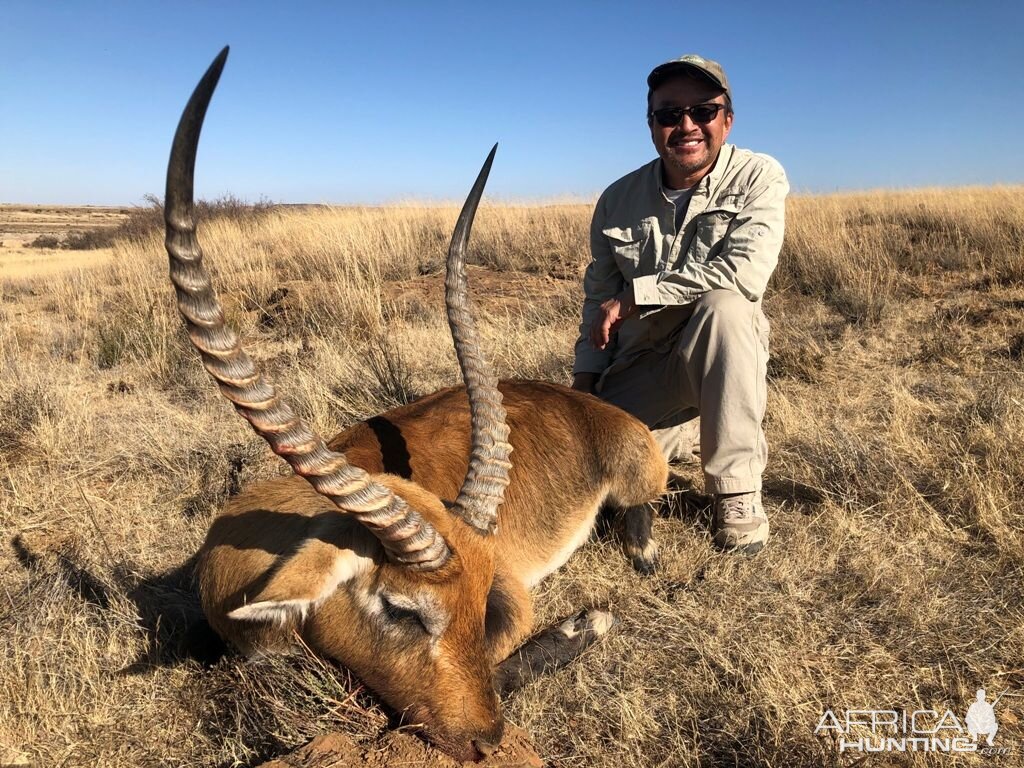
[626, 244]
[712, 227]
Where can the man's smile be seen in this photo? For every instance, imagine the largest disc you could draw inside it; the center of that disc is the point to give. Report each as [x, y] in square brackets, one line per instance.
[686, 141]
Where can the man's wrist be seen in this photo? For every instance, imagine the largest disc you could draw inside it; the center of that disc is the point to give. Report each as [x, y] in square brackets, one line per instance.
[627, 302]
[585, 381]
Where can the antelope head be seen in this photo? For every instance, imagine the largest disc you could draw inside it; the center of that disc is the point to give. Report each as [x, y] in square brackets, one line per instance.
[374, 571]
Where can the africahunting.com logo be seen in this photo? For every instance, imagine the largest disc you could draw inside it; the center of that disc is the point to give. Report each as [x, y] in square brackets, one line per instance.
[918, 730]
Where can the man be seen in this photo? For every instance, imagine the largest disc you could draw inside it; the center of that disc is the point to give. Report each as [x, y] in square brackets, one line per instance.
[672, 324]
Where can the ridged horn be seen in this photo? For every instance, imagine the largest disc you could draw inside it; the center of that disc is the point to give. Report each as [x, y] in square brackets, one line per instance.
[483, 488]
[407, 538]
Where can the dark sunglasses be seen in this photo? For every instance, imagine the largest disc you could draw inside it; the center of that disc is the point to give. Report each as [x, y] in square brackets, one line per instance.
[702, 114]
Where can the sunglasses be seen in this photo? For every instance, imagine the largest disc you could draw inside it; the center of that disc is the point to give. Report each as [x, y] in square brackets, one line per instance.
[702, 114]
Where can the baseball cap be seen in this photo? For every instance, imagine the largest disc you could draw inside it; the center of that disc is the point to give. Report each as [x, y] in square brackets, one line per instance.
[691, 63]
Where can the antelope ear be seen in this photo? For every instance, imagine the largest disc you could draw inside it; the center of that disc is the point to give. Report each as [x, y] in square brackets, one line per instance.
[305, 580]
[276, 611]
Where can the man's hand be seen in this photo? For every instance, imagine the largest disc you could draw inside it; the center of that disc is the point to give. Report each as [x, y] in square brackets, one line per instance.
[585, 382]
[612, 314]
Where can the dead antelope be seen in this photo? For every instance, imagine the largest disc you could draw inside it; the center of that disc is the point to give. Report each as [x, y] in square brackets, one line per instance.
[385, 550]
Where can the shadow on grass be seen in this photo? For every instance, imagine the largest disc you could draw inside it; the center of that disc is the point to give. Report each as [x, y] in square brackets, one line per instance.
[166, 606]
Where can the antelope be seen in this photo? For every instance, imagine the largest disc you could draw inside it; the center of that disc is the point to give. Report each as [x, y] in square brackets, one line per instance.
[384, 550]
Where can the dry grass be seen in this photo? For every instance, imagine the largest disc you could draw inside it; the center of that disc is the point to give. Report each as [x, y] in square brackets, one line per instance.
[893, 579]
[30, 236]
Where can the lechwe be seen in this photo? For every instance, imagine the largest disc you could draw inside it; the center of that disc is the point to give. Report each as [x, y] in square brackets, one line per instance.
[385, 550]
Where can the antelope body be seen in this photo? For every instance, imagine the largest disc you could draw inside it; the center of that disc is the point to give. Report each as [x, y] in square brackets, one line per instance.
[385, 550]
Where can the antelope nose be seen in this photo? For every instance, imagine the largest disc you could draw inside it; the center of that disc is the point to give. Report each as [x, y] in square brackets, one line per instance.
[486, 747]
[487, 742]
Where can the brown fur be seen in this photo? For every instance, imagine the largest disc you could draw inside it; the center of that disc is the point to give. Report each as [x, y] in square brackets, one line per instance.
[286, 555]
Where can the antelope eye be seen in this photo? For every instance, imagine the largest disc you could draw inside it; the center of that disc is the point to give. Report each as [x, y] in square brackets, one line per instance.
[400, 615]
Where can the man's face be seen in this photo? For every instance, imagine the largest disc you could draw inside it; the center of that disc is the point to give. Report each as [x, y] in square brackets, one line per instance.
[689, 149]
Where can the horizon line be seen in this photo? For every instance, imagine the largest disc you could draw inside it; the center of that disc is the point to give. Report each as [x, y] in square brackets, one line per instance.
[557, 200]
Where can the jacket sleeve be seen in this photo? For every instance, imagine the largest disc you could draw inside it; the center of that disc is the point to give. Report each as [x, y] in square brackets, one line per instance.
[750, 250]
[601, 281]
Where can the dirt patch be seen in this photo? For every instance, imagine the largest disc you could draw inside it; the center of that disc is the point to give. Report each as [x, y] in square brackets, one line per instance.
[495, 293]
[21, 225]
[397, 748]
[492, 290]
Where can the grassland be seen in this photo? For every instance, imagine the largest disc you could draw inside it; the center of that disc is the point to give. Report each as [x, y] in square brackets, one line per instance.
[34, 239]
[893, 579]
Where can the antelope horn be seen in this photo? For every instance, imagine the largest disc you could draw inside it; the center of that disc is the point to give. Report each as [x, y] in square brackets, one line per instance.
[483, 488]
[407, 538]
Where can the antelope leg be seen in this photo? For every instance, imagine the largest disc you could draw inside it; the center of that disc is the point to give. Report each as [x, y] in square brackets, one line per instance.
[551, 649]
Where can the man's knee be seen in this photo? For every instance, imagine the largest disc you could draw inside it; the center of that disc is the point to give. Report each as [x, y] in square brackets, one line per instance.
[723, 313]
[724, 302]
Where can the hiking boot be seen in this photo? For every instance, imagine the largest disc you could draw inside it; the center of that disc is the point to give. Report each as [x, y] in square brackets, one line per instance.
[740, 524]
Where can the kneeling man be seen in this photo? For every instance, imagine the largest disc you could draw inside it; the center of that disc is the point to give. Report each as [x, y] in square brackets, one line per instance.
[682, 250]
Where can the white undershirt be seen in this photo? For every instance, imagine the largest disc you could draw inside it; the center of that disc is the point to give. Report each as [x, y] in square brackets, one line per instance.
[681, 199]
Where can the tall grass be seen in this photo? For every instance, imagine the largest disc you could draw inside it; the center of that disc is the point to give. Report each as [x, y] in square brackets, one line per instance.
[893, 577]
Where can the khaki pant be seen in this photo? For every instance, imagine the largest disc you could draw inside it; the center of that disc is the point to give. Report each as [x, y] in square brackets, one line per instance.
[713, 362]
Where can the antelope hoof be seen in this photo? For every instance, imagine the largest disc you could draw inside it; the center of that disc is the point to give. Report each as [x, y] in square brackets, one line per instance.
[645, 561]
[587, 626]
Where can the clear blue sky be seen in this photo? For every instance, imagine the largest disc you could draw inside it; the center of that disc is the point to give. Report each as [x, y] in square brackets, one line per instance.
[380, 101]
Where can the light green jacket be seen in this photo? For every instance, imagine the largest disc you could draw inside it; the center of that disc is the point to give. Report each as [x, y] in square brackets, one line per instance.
[730, 238]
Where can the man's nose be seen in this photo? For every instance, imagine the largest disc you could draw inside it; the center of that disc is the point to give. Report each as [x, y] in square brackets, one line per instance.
[686, 125]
